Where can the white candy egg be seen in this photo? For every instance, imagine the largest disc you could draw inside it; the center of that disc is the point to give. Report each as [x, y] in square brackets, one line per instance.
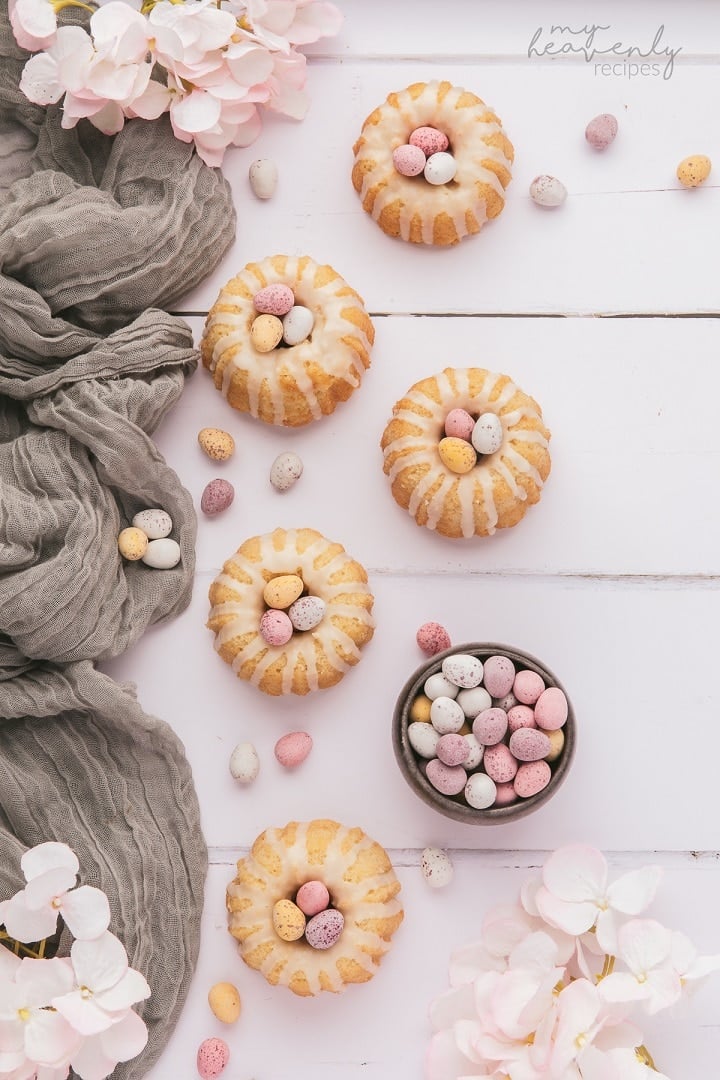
[436, 867]
[245, 763]
[548, 191]
[423, 739]
[480, 791]
[487, 435]
[474, 701]
[438, 686]
[463, 670]
[156, 524]
[446, 716]
[297, 324]
[162, 554]
[475, 753]
[263, 175]
[307, 612]
[285, 470]
[440, 168]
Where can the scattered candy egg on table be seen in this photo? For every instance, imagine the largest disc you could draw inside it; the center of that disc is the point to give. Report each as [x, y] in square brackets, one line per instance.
[297, 325]
[162, 554]
[224, 1000]
[408, 160]
[463, 670]
[489, 726]
[446, 716]
[480, 791]
[429, 139]
[266, 333]
[498, 675]
[693, 171]
[459, 424]
[216, 443]
[436, 867]
[452, 749]
[132, 544]
[244, 763]
[499, 763]
[217, 496]
[263, 176]
[423, 739]
[487, 434]
[156, 524]
[528, 687]
[292, 749]
[432, 638]
[275, 627]
[529, 744]
[420, 709]
[212, 1057]
[312, 897]
[324, 929]
[548, 191]
[601, 131]
[440, 168]
[474, 701]
[307, 612]
[282, 591]
[447, 779]
[531, 777]
[276, 299]
[285, 470]
[438, 686]
[288, 920]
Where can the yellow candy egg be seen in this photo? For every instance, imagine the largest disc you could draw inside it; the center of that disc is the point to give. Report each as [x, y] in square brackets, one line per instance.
[420, 709]
[693, 171]
[224, 1000]
[459, 456]
[218, 445]
[132, 544]
[557, 742]
[266, 332]
[465, 729]
[288, 920]
[281, 592]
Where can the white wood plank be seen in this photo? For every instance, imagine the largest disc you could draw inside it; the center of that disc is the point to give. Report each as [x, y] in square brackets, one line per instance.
[628, 239]
[380, 1030]
[631, 405]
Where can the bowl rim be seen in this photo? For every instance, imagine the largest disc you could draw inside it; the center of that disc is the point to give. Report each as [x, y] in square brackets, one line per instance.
[408, 762]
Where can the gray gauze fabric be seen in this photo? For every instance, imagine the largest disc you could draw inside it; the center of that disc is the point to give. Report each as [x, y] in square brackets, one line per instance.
[94, 234]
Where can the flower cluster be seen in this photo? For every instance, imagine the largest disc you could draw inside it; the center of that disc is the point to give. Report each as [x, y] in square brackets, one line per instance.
[209, 63]
[547, 992]
[75, 1012]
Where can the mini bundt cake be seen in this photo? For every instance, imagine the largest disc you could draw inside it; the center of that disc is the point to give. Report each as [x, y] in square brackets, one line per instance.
[291, 611]
[319, 948]
[432, 164]
[466, 452]
[287, 340]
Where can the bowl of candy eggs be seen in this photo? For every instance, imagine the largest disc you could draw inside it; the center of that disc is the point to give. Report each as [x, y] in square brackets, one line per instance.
[484, 733]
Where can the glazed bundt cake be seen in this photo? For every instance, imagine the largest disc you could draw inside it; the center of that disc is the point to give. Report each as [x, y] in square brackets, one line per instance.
[361, 915]
[287, 340]
[432, 164]
[291, 611]
[466, 452]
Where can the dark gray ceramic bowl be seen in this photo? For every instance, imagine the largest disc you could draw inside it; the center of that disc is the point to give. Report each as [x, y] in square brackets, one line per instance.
[455, 806]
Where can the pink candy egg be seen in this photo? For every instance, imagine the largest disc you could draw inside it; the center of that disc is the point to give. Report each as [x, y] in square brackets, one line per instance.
[505, 795]
[212, 1057]
[432, 638]
[453, 750]
[531, 777]
[275, 627]
[324, 929]
[499, 763]
[528, 687]
[551, 710]
[292, 749]
[274, 300]
[408, 160]
[529, 744]
[312, 897]
[489, 726]
[459, 424]
[216, 497]
[447, 779]
[430, 141]
[499, 675]
[520, 716]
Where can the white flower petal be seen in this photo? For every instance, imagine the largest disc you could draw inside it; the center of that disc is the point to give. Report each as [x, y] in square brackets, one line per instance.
[457, 1004]
[91, 1062]
[42, 980]
[126, 1039]
[313, 21]
[248, 130]
[44, 888]
[100, 963]
[39, 80]
[9, 962]
[633, 892]
[25, 925]
[664, 989]
[196, 112]
[621, 987]
[49, 1039]
[468, 962]
[445, 1061]
[153, 102]
[86, 911]
[110, 23]
[644, 944]
[248, 63]
[576, 873]
[606, 931]
[572, 917]
[34, 23]
[82, 1013]
[127, 991]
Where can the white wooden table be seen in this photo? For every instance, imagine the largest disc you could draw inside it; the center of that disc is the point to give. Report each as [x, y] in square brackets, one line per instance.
[606, 311]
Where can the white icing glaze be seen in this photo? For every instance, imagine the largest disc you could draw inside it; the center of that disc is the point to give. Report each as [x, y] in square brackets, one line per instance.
[348, 897]
[467, 136]
[329, 347]
[421, 449]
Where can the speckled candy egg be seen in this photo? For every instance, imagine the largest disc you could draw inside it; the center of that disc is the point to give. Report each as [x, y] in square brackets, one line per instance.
[520, 716]
[224, 1000]
[420, 709]
[531, 778]
[216, 443]
[446, 716]
[474, 701]
[547, 191]
[212, 1057]
[285, 470]
[282, 591]
[324, 929]
[489, 726]
[693, 171]
[498, 675]
[447, 779]
[487, 434]
[292, 749]
[507, 703]
[423, 738]
[263, 176]
[162, 554]
[217, 497]
[529, 744]
[436, 867]
[307, 612]
[462, 669]
[440, 168]
[499, 763]
[266, 333]
[505, 795]
[275, 627]
[132, 544]
[475, 752]
[528, 687]
[432, 638]
[480, 791]
[551, 709]
[459, 424]
[408, 160]
[288, 920]
[601, 131]
[452, 749]
[457, 455]
[297, 325]
[274, 299]
[156, 524]
[244, 763]
[312, 897]
[438, 686]
[430, 140]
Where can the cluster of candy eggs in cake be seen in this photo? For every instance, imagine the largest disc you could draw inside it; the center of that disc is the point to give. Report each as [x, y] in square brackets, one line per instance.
[426, 152]
[279, 320]
[489, 733]
[310, 916]
[290, 608]
[467, 438]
